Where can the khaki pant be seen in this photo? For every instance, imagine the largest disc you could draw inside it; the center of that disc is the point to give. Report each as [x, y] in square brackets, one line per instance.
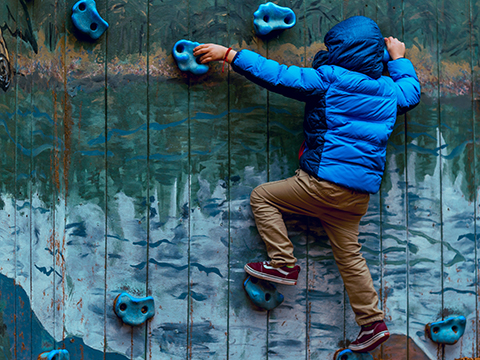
[340, 211]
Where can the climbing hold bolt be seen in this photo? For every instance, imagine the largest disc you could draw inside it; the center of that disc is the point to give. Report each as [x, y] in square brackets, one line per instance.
[133, 311]
[86, 19]
[271, 17]
[348, 354]
[183, 55]
[262, 293]
[54, 355]
[447, 331]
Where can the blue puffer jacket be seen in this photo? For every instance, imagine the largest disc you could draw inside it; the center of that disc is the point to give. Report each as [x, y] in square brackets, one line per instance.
[350, 107]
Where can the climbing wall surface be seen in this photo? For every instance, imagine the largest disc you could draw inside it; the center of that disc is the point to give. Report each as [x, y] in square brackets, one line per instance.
[119, 173]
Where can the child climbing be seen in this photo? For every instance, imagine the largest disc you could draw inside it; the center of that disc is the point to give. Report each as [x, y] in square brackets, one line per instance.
[349, 115]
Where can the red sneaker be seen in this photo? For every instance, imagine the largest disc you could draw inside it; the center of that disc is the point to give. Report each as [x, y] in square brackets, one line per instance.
[371, 335]
[282, 275]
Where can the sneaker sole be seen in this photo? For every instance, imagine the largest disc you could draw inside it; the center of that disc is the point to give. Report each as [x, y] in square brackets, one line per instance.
[367, 346]
[268, 277]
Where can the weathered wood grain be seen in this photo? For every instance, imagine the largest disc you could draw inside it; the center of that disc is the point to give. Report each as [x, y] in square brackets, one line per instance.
[11, 341]
[457, 166]
[475, 37]
[393, 214]
[85, 186]
[166, 162]
[168, 101]
[127, 185]
[43, 122]
[248, 161]
[209, 173]
[423, 178]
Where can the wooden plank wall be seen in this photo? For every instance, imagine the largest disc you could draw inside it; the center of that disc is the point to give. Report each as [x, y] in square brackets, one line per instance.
[120, 173]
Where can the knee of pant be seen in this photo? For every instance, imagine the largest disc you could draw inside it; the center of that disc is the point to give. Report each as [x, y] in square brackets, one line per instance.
[353, 262]
[256, 196]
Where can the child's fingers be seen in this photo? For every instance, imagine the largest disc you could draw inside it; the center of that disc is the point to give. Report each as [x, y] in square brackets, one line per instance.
[205, 60]
[200, 50]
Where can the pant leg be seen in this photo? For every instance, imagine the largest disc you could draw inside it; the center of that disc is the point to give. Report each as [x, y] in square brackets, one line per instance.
[354, 271]
[301, 194]
[340, 211]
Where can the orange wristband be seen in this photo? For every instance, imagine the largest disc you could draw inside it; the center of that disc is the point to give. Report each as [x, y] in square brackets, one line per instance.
[225, 58]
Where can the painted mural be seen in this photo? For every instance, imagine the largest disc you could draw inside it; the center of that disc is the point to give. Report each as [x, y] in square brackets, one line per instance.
[119, 173]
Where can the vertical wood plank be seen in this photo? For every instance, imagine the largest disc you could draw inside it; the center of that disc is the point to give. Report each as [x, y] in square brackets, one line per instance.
[458, 178]
[248, 168]
[169, 182]
[423, 178]
[287, 331]
[209, 215]
[127, 168]
[393, 211]
[41, 65]
[60, 159]
[85, 198]
[15, 262]
[325, 291]
[475, 37]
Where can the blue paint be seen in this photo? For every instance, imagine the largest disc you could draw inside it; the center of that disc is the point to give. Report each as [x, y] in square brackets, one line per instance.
[283, 127]
[153, 244]
[55, 355]
[79, 229]
[270, 17]
[472, 292]
[183, 55]
[448, 331]
[36, 336]
[101, 139]
[200, 267]
[86, 19]
[348, 354]
[44, 270]
[95, 153]
[194, 296]
[134, 311]
[262, 293]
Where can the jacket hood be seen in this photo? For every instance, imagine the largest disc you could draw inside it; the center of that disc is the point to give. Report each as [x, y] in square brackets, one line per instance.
[356, 44]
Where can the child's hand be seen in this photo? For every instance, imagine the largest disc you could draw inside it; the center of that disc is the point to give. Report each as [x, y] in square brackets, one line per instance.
[395, 48]
[210, 52]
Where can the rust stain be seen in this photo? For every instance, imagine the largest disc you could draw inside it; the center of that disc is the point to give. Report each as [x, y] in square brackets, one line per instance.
[67, 134]
[79, 121]
[55, 154]
[131, 341]
[396, 348]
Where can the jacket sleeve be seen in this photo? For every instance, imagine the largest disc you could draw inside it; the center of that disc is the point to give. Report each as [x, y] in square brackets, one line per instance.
[407, 85]
[291, 81]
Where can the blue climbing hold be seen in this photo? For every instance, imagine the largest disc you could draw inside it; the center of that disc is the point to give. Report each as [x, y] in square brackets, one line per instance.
[448, 331]
[386, 56]
[55, 355]
[183, 54]
[348, 354]
[86, 19]
[262, 293]
[133, 311]
[271, 17]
